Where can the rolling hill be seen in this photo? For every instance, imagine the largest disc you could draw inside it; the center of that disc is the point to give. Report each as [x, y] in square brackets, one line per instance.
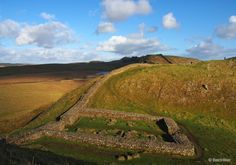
[92, 66]
[200, 96]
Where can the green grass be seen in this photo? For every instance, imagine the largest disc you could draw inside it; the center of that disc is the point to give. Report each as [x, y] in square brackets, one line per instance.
[102, 155]
[177, 91]
[166, 90]
[77, 150]
[102, 124]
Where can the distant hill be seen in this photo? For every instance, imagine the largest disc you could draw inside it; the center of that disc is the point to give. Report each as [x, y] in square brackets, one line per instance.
[9, 64]
[17, 69]
[232, 58]
[166, 59]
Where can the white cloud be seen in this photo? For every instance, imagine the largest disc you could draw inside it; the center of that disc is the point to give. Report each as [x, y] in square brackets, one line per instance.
[43, 55]
[152, 29]
[47, 16]
[118, 10]
[105, 27]
[207, 49]
[169, 21]
[45, 35]
[9, 28]
[232, 19]
[227, 31]
[131, 46]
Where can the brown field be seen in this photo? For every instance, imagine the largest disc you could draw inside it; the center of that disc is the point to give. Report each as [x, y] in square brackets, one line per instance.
[24, 97]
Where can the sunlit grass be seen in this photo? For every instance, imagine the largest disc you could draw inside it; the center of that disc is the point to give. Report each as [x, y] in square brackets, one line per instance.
[20, 102]
[177, 91]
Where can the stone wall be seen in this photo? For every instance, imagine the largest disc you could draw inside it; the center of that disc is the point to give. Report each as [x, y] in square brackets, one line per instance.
[89, 112]
[181, 145]
[72, 115]
[152, 146]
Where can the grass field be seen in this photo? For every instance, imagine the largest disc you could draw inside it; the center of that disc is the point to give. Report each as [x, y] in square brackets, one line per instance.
[103, 155]
[20, 102]
[201, 97]
[103, 124]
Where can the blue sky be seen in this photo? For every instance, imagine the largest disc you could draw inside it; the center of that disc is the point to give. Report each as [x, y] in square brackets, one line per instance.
[60, 31]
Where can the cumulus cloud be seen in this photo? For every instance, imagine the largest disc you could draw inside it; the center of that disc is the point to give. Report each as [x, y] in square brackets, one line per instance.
[105, 27]
[42, 55]
[119, 10]
[47, 16]
[9, 29]
[169, 21]
[131, 46]
[207, 49]
[45, 35]
[227, 31]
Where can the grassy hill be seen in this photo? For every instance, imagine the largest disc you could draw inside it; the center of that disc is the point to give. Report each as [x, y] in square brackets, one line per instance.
[167, 59]
[201, 97]
[36, 91]
[232, 58]
[91, 66]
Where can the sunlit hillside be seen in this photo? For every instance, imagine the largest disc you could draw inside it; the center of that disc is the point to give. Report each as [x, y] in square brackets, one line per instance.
[200, 96]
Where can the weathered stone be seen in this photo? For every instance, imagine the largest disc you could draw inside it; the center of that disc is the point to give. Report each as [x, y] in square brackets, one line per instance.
[136, 155]
[121, 158]
[130, 124]
[111, 122]
[152, 137]
[129, 157]
[171, 125]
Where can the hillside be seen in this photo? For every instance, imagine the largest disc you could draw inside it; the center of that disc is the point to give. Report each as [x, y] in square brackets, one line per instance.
[167, 59]
[94, 66]
[21, 102]
[232, 58]
[201, 97]
[130, 132]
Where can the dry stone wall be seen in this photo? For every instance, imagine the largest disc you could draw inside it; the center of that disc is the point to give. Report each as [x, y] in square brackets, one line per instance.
[152, 146]
[117, 115]
[181, 146]
[72, 115]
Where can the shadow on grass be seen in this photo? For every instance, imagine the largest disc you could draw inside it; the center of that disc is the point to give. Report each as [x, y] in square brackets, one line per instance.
[12, 154]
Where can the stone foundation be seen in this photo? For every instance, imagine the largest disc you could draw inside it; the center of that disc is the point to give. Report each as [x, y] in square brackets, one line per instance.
[181, 145]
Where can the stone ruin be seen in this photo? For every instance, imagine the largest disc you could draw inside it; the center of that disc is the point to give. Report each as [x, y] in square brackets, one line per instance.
[177, 144]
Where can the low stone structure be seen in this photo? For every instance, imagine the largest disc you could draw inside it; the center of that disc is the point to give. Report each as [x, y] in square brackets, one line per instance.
[110, 114]
[153, 146]
[180, 145]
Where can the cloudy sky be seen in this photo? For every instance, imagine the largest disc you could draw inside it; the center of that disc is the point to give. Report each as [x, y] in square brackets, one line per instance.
[62, 31]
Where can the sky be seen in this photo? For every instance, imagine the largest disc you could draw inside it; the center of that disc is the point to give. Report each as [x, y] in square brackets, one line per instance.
[65, 31]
